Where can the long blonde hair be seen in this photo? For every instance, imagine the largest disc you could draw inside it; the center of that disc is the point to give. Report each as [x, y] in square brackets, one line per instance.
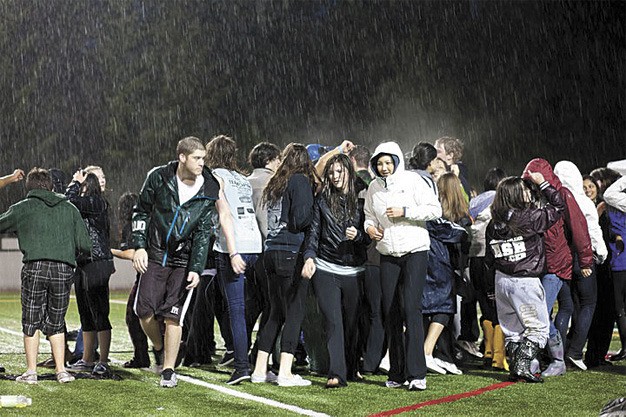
[453, 200]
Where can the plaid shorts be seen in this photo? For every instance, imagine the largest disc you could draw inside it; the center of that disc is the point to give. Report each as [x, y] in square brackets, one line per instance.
[45, 296]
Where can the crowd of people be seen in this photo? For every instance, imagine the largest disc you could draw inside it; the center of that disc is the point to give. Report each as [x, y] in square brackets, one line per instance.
[388, 257]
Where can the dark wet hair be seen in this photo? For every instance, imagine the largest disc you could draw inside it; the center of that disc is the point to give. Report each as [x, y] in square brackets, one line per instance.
[342, 206]
[509, 196]
[58, 180]
[91, 185]
[493, 177]
[603, 178]
[262, 154]
[221, 152]
[295, 160]
[38, 179]
[125, 206]
[423, 154]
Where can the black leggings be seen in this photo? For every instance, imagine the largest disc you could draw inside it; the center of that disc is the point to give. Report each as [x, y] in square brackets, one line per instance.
[619, 289]
[287, 294]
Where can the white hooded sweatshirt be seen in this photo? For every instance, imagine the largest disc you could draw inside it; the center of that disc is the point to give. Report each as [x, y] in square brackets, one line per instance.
[571, 178]
[405, 189]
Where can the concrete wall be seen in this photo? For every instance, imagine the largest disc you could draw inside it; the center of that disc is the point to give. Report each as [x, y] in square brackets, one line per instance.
[11, 267]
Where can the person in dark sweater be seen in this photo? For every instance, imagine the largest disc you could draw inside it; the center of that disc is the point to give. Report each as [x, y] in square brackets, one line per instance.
[289, 200]
[50, 232]
[515, 248]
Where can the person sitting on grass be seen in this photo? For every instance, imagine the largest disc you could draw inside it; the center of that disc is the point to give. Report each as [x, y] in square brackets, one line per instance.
[50, 231]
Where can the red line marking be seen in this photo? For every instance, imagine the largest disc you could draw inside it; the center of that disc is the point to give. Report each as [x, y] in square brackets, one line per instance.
[442, 400]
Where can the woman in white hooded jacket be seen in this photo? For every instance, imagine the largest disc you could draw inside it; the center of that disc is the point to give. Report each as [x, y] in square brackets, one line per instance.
[397, 205]
[583, 291]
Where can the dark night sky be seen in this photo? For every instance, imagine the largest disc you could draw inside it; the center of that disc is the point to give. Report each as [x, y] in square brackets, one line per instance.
[118, 83]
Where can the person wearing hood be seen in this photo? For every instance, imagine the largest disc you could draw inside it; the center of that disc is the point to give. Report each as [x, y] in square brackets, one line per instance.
[397, 205]
[582, 290]
[560, 253]
[51, 232]
[615, 198]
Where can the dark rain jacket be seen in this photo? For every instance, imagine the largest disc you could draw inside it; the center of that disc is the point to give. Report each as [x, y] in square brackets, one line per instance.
[94, 210]
[326, 237]
[439, 296]
[174, 235]
[522, 253]
[568, 235]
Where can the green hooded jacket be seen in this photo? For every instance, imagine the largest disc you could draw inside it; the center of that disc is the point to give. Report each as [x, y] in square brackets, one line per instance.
[48, 227]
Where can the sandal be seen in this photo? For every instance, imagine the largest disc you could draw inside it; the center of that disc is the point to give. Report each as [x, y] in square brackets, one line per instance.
[64, 377]
[27, 377]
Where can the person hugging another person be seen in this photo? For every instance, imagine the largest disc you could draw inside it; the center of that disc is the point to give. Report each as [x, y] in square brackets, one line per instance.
[397, 204]
[516, 250]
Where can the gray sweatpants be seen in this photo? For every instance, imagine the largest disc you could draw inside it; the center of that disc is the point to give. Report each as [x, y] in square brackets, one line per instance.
[521, 306]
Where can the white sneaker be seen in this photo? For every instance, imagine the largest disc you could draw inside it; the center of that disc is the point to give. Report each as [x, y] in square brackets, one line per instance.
[393, 384]
[578, 363]
[417, 385]
[470, 347]
[433, 366]
[448, 366]
[268, 377]
[295, 381]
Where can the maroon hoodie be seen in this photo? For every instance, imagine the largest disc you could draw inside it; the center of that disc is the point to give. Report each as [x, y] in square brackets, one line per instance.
[569, 234]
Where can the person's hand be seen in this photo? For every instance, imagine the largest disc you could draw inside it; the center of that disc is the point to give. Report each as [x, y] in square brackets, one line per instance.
[351, 233]
[454, 168]
[308, 270]
[194, 280]
[17, 175]
[375, 233]
[536, 177]
[586, 272]
[346, 146]
[601, 208]
[619, 243]
[140, 261]
[393, 212]
[238, 264]
[79, 176]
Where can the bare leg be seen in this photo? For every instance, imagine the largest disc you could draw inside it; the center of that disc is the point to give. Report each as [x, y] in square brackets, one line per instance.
[260, 367]
[152, 329]
[434, 331]
[57, 344]
[286, 361]
[31, 346]
[173, 334]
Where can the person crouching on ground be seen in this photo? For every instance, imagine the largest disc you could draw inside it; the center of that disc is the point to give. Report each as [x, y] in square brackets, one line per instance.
[516, 249]
[50, 231]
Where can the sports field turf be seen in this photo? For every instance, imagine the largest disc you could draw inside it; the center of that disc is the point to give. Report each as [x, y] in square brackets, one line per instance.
[137, 393]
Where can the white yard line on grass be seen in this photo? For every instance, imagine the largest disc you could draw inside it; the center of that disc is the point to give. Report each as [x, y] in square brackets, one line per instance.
[219, 388]
[245, 396]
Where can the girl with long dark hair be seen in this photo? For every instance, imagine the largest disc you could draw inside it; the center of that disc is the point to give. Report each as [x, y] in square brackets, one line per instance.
[335, 251]
[289, 200]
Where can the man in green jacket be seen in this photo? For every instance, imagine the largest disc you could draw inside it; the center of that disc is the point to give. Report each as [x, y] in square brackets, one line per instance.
[171, 230]
[50, 232]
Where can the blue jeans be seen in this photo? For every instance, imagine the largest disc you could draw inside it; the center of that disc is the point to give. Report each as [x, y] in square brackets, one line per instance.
[233, 287]
[552, 285]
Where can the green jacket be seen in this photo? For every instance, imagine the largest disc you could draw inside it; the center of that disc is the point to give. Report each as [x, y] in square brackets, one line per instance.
[48, 227]
[174, 235]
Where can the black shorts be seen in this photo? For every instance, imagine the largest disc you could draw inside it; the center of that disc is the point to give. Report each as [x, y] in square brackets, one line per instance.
[92, 295]
[161, 292]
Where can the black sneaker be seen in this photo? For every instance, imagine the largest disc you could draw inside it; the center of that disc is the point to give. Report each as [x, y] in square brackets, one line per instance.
[168, 378]
[238, 376]
[135, 363]
[227, 359]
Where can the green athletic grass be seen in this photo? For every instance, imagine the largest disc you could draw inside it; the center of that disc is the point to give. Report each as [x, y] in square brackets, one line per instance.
[138, 394]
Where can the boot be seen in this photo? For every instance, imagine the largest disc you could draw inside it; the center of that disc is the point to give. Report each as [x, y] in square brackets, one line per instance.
[557, 366]
[621, 326]
[511, 350]
[499, 357]
[488, 341]
[524, 355]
